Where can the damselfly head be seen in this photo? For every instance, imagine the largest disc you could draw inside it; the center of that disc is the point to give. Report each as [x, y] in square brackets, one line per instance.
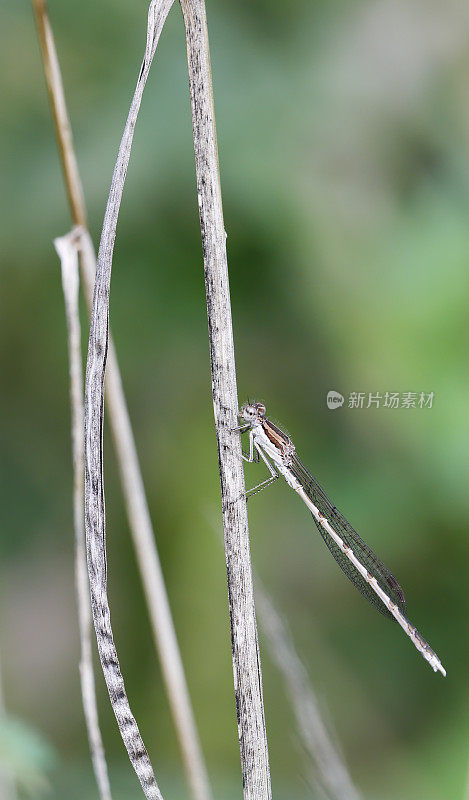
[251, 412]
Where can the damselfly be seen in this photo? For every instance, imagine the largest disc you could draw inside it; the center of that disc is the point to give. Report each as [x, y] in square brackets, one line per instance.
[361, 565]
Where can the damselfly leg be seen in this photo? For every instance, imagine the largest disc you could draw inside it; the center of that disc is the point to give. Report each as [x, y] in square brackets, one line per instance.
[253, 456]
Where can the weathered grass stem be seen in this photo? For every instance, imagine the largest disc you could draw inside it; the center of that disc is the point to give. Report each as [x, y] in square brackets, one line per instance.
[67, 249]
[94, 419]
[131, 477]
[149, 564]
[245, 648]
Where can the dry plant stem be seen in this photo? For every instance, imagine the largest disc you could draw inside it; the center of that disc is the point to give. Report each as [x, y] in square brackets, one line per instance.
[331, 770]
[7, 782]
[67, 250]
[94, 419]
[132, 482]
[59, 110]
[149, 563]
[245, 649]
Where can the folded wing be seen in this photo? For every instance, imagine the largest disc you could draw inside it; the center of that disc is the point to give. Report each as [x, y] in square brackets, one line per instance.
[350, 537]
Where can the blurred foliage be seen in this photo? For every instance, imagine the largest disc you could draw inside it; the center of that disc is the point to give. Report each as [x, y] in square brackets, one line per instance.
[344, 138]
[25, 756]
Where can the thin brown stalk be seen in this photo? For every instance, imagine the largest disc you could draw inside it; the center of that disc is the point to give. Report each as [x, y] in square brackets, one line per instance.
[131, 477]
[67, 250]
[245, 648]
[59, 110]
[140, 523]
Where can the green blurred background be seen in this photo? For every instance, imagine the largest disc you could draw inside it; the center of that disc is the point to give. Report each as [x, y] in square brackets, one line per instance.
[343, 133]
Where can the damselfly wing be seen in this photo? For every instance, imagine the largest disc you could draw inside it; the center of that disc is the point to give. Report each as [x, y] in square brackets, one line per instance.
[350, 537]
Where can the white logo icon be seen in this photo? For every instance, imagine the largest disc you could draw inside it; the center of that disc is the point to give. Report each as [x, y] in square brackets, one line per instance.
[334, 400]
